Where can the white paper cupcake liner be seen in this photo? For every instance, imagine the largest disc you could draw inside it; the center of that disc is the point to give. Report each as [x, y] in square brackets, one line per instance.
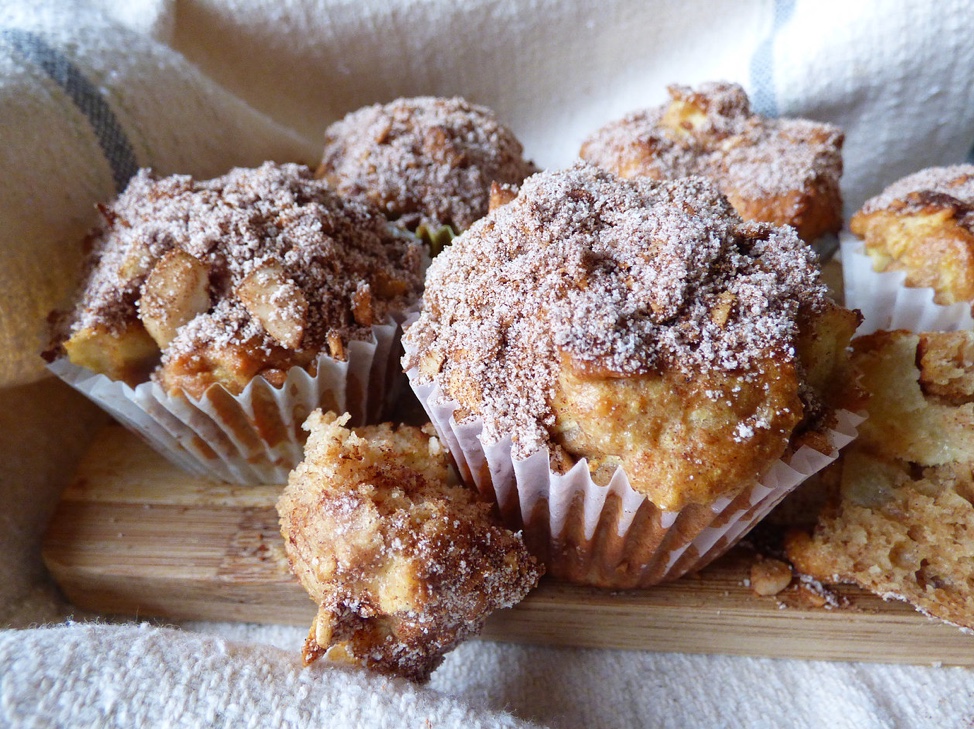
[612, 536]
[887, 303]
[254, 437]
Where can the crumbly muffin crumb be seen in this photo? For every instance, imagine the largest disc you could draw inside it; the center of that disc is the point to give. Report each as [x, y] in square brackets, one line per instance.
[899, 524]
[403, 563]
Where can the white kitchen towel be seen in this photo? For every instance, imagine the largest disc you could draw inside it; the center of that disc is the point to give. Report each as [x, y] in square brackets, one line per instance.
[53, 678]
[91, 90]
[95, 675]
[896, 76]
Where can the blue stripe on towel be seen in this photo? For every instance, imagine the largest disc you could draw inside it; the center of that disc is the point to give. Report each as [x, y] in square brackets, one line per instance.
[763, 98]
[114, 144]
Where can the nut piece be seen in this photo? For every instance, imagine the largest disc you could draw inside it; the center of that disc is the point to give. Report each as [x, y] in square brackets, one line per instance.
[501, 194]
[770, 576]
[176, 290]
[723, 308]
[362, 305]
[276, 302]
[137, 262]
[336, 347]
[128, 354]
[683, 117]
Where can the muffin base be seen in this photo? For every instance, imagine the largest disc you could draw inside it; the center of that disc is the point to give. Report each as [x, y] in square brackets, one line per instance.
[887, 303]
[612, 536]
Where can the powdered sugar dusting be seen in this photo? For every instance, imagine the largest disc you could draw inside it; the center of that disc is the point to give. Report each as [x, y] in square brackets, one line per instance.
[424, 160]
[777, 156]
[622, 276]
[275, 214]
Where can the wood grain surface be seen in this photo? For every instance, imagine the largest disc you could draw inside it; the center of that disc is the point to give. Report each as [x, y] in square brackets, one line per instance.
[135, 536]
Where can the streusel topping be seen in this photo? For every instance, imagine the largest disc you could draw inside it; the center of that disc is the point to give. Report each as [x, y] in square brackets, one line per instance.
[782, 171]
[424, 160]
[757, 156]
[323, 254]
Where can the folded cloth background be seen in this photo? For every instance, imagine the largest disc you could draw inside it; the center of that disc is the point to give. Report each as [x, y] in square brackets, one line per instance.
[91, 91]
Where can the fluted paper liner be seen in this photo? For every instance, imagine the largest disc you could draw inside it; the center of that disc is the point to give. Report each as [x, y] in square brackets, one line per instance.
[254, 437]
[887, 303]
[612, 536]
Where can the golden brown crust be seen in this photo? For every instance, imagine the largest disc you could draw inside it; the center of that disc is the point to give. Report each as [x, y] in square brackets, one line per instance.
[899, 522]
[403, 564]
[231, 365]
[684, 446]
[944, 360]
[781, 171]
[924, 225]
[679, 444]
[125, 353]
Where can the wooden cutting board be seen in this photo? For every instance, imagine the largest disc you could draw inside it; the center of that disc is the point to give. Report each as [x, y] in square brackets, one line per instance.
[135, 536]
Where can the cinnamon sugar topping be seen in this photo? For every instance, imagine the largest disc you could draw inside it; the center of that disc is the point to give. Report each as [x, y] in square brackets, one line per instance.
[759, 156]
[283, 256]
[784, 171]
[622, 277]
[424, 160]
[941, 186]
[403, 564]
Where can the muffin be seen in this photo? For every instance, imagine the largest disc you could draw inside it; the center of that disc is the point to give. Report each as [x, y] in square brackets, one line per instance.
[624, 365]
[911, 264]
[403, 562]
[216, 314]
[898, 523]
[426, 162]
[781, 171]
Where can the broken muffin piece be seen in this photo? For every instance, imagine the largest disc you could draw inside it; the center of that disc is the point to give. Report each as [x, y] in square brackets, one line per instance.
[403, 562]
[900, 522]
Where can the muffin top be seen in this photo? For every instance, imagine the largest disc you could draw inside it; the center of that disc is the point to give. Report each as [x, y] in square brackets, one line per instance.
[933, 188]
[424, 161]
[782, 171]
[258, 267]
[923, 225]
[595, 280]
